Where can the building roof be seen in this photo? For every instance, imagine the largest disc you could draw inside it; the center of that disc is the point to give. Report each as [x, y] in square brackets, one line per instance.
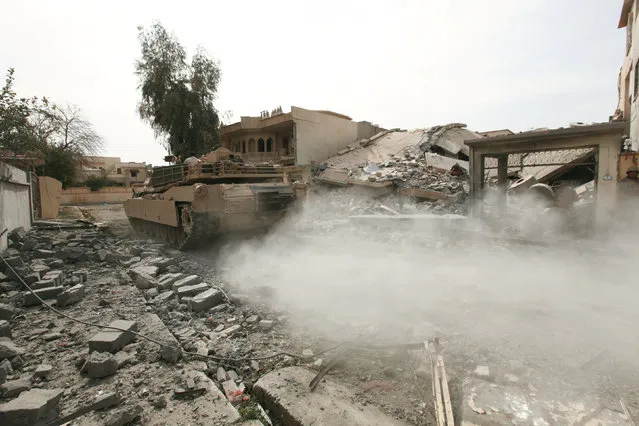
[562, 133]
[625, 10]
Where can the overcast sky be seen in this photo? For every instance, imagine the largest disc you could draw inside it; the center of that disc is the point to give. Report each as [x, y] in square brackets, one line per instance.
[491, 63]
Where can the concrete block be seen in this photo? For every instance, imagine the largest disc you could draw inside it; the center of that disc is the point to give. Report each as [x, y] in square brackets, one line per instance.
[100, 364]
[34, 407]
[43, 293]
[43, 284]
[163, 297]
[43, 371]
[31, 278]
[56, 275]
[265, 325]
[154, 327]
[5, 329]
[231, 330]
[71, 295]
[206, 300]
[7, 312]
[145, 269]
[15, 261]
[286, 394]
[15, 387]
[82, 275]
[43, 254]
[186, 281]
[40, 268]
[113, 340]
[165, 282]
[230, 390]
[191, 290]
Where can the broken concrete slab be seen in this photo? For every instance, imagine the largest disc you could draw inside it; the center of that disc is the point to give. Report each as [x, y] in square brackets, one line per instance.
[286, 394]
[100, 364]
[40, 284]
[113, 340]
[155, 328]
[143, 281]
[44, 293]
[35, 407]
[186, 281]
[206, 300]
[231, 330]
[163, 297]
[191, 290]
[8, 349]
[71, 295]
[15, 387]
[214, 407]
[165, 282]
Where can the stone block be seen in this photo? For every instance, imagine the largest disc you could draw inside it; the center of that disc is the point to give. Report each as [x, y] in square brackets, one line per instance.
[187, 281]
[43, 371]
[164, 296]
[206, 300]
[266, 325]
[34, 407]
[43, 293]
[71, 295]
[82, 276]
[8, 349]
[113, 340]
[171, 351]
[7, 312]
[5, 329]
[40, 284]
[15, 387]
[191, 290]
[231, 330]
[100, 364]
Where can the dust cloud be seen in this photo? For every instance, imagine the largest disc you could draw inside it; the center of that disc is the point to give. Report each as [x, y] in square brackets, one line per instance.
[411, 280]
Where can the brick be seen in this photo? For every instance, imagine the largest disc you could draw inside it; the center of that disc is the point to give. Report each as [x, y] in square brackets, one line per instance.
[34, 407]
[190, 280]
[207, 300]
[113, 340]
[44, 293]
[191, 290]
[71, 295]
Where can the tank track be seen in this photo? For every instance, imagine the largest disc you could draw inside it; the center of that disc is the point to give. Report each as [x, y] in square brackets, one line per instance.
[204, 230]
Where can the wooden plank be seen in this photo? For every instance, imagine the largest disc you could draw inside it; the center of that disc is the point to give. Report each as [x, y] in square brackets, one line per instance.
[445, 392]
[441, 419]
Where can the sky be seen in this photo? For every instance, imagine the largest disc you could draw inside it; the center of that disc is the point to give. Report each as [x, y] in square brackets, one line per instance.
[491, 64]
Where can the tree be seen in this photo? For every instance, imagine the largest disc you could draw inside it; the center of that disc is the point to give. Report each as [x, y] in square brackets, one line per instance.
[177, 96]
[60, 134]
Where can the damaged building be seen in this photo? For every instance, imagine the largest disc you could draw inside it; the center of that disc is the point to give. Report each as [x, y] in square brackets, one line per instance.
[298, 137]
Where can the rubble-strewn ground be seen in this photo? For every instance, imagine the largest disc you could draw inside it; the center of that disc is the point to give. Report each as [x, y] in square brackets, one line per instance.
[552, 326]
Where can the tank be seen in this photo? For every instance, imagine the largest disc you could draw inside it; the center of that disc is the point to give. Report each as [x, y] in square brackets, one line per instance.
[195, 203]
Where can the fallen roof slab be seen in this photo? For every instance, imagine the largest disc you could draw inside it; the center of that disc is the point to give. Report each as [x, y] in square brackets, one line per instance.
[286, 393]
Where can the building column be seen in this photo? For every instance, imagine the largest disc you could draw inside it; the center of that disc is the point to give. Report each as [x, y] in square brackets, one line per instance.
[476, 173]
[502, 182]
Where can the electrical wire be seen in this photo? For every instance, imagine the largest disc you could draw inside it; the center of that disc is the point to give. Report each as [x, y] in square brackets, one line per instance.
[157, 342]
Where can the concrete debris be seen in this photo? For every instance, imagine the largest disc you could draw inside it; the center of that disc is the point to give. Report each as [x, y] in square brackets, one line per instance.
[113, 340]
[71, 295]
[186, 281]
[5, 329]
[100, 364]
[31, 299]
[8, 349]
[124, 416]
[206, 300]
[191, 290]
[43, 371]
[35, 407]
[266, 325]
[7, 312]
[15, 387]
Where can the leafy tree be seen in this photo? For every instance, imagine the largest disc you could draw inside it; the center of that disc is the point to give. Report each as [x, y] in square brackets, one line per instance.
[60, 134]
[177, 96]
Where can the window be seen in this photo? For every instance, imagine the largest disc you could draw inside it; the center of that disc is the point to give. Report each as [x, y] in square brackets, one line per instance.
[118, 171]
[285, 145]
[134, 173]
[251, 145]
[260, 145]
[243, 147]
[269, 145]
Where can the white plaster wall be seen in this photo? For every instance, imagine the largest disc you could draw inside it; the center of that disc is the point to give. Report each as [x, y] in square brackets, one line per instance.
[319, 136]
[15, 207]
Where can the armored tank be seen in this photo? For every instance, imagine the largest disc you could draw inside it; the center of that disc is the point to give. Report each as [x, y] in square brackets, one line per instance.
[194, 203]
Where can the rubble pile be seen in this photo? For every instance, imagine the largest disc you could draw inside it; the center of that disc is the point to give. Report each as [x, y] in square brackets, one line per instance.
[54, 367]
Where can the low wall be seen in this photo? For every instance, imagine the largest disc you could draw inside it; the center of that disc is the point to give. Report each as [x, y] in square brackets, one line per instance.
[84, 195]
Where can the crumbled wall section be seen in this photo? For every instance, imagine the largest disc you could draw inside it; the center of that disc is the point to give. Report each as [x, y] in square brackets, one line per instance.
[15, 206]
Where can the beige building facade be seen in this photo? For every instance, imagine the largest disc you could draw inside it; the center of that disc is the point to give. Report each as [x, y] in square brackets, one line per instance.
[301, 136]
[628, 107]
[112, 168]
